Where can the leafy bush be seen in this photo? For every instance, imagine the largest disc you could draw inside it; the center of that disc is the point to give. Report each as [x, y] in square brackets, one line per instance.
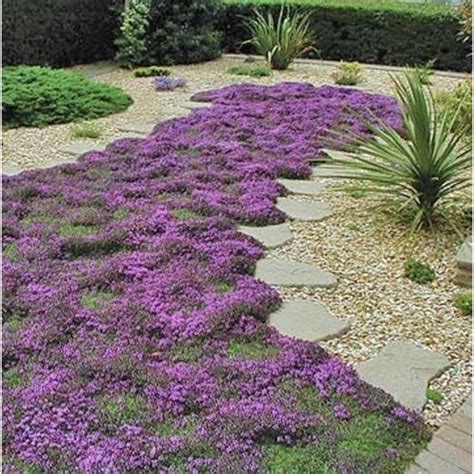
[131, 44]
[86, 130]
[36, 96]
[463, 302]
[252, 71]
[435, 396]
[164, 83]
[424, 73]
[151, 71]
[419, 272]
[183, 32]
[465, 14]
[418, 168]
[458, 101]
[348, 74]
[282, 40]
[392, 33]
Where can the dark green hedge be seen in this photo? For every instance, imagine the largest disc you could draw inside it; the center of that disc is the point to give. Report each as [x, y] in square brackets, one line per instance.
[57, 32]
[391, 35]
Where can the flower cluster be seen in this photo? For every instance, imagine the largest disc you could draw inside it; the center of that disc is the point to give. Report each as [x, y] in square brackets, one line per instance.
[134, 335]
[164, 83]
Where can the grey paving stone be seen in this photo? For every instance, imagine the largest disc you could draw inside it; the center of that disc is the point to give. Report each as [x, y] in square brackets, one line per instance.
[80, 147]
[56, 162]
[321, 171]
[290, 273]
[466, 409]
[452, 454]
[404, 370]
[462, 423]
[415, 469]
[304, 211]
[140, 128]
[465, 254]
[301, 186]
[307, 320]
[435, 465]
[10, 169]
[271, 236]
[455, 437]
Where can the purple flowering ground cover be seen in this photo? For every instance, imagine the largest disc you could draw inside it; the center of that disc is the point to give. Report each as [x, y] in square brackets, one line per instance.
[134, 335]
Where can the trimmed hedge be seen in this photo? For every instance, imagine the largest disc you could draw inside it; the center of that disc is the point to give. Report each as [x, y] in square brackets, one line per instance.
[58, 32]
[391, 34]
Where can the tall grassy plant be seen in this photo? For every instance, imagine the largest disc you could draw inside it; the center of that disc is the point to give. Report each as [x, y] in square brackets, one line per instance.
[280, 40]
[420, 169]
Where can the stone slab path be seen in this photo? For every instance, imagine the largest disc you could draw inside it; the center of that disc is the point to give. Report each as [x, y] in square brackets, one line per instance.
[404, 370]
[80, 147]
[291, 273]
[307, 320]
[270, 236]
[304, 211]
[298, 186]
[450, 450]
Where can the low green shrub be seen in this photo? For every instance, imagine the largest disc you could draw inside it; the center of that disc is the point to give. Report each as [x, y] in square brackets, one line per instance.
[425, 72]
[36, 96]
[435, 396]
[459, 101]
[419, 272]
[252, 71]
[348, 74]
[86, 130]
[463, 302]
[151, 71]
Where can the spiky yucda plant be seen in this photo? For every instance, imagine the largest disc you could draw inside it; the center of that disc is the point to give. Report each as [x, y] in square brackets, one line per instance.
[281, 40]
[420, 168]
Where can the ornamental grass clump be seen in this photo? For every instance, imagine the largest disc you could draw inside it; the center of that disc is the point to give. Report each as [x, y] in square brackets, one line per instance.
[252, 71]
[419, 168]
[134, 334]
[283, 39]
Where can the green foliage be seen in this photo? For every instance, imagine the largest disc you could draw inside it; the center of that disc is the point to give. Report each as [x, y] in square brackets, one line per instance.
[76, 229]
[131, 43]
[253, 350]
[13, 378]
[434, 395]
[185, 214]
[224, 286]
[183, 32]
[95, 300]
[283, 40]
[252, 71]
[86, 130]
[348, 74]
[368, 31]
[123, 410]
[418, 169]
[465, 20]
[424, 73]
[151, 71]
[463, 302]
[37, 96]
[419, 272]
[58, 32]
[458, 101]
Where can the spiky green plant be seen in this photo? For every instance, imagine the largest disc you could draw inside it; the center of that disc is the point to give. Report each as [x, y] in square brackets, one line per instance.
[419, 169]
[280, 40]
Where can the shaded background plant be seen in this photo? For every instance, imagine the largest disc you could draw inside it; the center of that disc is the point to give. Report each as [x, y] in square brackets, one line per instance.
[419, 169]
[348, 74]
[280, 40]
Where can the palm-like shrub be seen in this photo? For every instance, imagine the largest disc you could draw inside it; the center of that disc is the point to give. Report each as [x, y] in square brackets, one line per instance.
[419, 169]
[281, 40]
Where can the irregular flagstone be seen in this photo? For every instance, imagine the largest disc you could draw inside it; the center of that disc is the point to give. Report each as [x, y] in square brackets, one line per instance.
[299, 186]
[80, 148]
[404, 370]
[291, 273]
[10, 169]
[56, 162]
[191, 105]
[141, 128]
[304, 211]
[325, 171]
[307, 320]
[271, 236]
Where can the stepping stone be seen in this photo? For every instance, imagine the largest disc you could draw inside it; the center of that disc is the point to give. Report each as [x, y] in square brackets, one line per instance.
[290, 273]
[191, 105]
[140, 128]
[403, 370]
[9, 169]
[80, 148]
[304, 211]
[53, 163]
[464, 260]
[271, 236]
[299, 186]
[307, 320]
[326, 172]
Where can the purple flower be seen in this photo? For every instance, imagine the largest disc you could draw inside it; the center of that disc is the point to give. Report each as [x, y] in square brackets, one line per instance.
[165, 83]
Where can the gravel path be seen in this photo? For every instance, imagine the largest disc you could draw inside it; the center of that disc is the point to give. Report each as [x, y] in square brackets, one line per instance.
[361, 247]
